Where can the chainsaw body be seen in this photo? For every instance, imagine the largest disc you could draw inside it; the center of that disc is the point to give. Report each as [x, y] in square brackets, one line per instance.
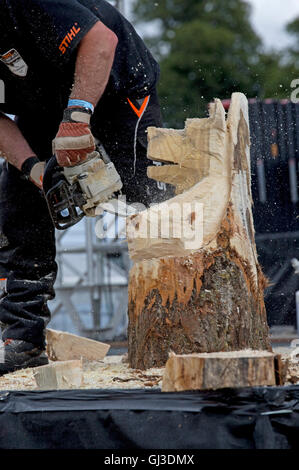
[73, 192]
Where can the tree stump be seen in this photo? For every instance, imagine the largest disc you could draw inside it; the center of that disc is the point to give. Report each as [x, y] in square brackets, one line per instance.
[196, 285]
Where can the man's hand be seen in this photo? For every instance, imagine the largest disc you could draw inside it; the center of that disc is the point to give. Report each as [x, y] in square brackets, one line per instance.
[74, 140]
[33, 169]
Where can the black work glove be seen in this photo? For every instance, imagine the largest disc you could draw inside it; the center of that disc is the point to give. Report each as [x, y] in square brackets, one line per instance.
[33, 170]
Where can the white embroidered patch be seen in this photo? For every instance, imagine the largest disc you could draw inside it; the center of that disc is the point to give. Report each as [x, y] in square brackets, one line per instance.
[15, 62]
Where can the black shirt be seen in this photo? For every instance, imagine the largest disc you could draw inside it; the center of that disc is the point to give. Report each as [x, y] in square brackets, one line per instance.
[38, 44]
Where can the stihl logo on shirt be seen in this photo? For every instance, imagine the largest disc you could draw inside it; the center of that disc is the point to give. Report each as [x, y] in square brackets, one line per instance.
[15, 62]
[68, 38]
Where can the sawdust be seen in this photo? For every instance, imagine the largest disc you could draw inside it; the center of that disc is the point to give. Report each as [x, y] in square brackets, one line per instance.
[292, 377]
[293, 374]
[113, 372]
[109, 373]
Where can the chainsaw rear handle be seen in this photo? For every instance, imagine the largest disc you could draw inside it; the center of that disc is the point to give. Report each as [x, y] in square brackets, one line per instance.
[62, 201]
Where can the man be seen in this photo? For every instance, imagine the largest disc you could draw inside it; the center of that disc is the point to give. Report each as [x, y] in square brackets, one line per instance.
[73, 70]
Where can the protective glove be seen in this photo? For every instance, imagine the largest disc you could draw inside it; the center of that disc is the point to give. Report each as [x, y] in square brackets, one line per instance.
[74, 140]
[33, 170]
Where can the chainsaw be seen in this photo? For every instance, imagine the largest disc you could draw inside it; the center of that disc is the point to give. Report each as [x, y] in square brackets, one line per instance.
[89, 188]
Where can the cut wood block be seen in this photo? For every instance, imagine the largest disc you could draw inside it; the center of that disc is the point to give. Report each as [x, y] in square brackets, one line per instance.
[60, 375]
[281, 369]
[63, 346]
[207, 371]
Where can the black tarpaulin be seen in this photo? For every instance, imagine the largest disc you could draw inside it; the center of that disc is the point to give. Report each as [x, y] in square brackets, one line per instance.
[262, 418]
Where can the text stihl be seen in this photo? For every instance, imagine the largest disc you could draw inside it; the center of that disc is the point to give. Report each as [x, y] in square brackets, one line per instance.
[68, 38]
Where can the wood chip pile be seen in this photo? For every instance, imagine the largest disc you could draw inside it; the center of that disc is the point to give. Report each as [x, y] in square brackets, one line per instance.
[111, 372]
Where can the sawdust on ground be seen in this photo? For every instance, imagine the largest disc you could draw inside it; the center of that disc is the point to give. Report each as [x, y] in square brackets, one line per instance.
[112, 372]
[290, 357]
[292, 377]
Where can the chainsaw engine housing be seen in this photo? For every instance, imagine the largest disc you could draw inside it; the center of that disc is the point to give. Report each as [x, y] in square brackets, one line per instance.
[73, 192]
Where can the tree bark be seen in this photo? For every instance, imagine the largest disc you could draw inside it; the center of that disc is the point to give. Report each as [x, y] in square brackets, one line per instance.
[196, 284]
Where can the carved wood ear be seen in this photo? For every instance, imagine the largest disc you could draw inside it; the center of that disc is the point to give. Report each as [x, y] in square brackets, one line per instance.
[195, 151]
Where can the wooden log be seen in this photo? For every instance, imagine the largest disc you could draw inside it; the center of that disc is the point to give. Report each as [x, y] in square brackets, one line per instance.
[218, 370]
[63, 346]
[59, 375]
[281, 369]
[196, 284]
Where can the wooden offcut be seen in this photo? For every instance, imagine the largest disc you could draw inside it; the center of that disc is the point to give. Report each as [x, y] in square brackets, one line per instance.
[281, 369]
[218, 370]
[59, 375]
[63, 346]
[197, 287]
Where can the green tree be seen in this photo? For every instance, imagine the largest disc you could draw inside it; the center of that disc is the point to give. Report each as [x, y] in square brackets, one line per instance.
[207, 49]
[293, 29]
[277, 69]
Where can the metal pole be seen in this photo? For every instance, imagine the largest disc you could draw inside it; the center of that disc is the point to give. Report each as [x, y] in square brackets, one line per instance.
[293, 180]
[261, 180]
[89, 251]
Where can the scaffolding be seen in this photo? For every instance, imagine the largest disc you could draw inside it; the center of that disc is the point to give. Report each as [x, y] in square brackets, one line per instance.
[91, 286]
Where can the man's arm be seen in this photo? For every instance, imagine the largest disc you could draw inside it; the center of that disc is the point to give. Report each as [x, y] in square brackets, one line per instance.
[93, 66]
[13, 146]
[94, 62]
[16, 150]
[74, 140]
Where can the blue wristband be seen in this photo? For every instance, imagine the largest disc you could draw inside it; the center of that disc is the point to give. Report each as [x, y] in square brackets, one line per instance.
[82, 104]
